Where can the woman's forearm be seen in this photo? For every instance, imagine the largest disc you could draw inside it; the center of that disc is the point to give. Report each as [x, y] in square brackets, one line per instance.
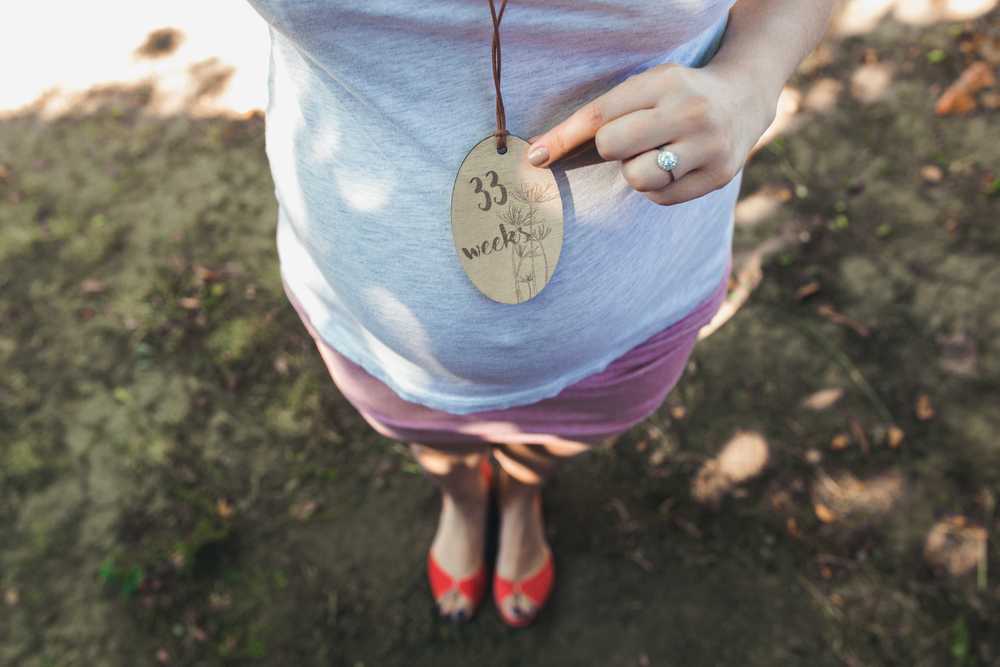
[767, 39]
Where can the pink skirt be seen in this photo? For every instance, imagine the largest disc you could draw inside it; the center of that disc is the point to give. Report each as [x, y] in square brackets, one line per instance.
[594, 409]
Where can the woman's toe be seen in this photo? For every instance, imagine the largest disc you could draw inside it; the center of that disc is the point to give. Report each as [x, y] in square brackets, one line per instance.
[454, 607]
[518, 607]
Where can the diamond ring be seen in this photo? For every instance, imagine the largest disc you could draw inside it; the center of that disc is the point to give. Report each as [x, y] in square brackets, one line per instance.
[667, 160]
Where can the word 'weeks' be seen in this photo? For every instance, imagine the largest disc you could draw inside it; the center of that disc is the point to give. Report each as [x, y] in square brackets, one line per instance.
[498, 243]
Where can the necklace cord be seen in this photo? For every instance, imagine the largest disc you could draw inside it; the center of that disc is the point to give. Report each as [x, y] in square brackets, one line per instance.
[501, 131]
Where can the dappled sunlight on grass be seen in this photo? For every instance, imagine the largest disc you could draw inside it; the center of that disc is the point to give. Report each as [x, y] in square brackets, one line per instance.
[741, 459]
[955, 546]
[842, 497]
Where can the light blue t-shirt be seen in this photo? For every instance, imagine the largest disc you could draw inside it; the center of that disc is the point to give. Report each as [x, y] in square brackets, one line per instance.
[373, 106]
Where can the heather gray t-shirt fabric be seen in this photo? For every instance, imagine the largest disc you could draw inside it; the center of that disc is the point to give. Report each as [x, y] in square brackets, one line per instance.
[373, 106]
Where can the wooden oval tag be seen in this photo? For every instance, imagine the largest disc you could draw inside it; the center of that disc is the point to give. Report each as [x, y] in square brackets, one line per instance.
[507, 221]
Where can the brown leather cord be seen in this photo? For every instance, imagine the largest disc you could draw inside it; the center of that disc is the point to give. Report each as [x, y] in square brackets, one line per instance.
[501, 132]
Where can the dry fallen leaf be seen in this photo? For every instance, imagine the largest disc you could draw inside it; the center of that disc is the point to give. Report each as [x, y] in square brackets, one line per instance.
[223, 508]
[957, 99]
[780, 500]
[951, 225]
[793, 528]
[208, 275]
[829, 313]
[987, 179]
[808, 290]
[199, 635]
[687, 527]
[822, 399]
[303, 511]
[826, 572]
[836, 599]
[190, 303]
[92, 286]
[925, 408]
[824, 513]
[954, 547]
[894, 437]
[640, 560]
[840, 441]
[931, 173]
[11, 596]
[163, 657]
[858, 434]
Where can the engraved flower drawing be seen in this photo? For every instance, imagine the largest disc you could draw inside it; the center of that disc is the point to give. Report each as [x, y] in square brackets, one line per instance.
[529, 248]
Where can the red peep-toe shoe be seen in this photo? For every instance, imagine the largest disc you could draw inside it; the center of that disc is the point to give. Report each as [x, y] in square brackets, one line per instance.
[536, 586]
[472, 588]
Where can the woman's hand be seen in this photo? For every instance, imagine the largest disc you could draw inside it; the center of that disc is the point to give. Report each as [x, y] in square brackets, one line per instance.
[708, 121]
[709, 117]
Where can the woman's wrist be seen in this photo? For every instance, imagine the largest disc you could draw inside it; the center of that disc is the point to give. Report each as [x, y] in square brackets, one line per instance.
[764, 43]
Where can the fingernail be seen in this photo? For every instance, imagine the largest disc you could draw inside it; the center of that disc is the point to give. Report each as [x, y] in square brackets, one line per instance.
[538, 157]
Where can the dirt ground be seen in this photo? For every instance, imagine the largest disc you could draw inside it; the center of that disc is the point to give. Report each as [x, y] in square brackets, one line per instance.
[181, 483]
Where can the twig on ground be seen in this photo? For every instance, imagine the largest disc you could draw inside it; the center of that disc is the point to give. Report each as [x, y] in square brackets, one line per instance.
[990, 504]
[852, 371]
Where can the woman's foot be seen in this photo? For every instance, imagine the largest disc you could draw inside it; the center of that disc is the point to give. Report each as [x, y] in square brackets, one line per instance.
[456, 562]
[523, 578]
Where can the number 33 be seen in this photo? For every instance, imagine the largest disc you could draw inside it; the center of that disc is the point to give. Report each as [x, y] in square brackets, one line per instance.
[494, 183]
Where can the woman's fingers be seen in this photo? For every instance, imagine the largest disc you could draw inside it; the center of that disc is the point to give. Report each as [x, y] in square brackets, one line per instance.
[695, 174]
[695, 184]
[692, 112]
[635, 133]
[644, 174]
[585, 123]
